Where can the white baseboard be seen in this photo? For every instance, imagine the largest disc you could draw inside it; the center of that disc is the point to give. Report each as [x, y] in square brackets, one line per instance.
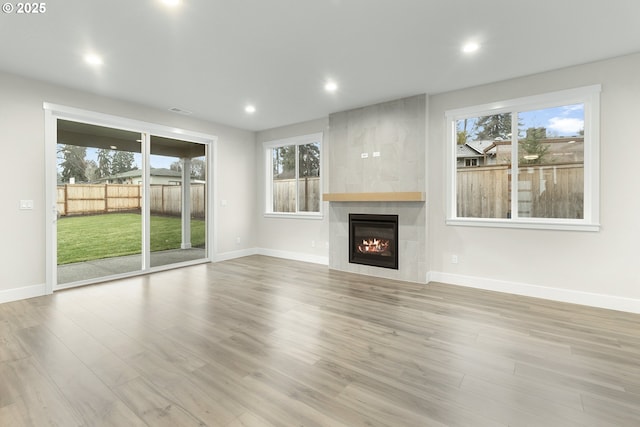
[295, 256]
[611, 302]
[22, 293]
[224, 256]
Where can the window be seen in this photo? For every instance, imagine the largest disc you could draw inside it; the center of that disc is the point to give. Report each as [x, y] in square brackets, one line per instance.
[293, 168]
[539, 162]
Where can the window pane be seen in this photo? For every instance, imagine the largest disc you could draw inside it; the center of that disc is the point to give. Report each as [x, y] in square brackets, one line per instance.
[551, 163]
[309, 177]
[284, 178]
[483, 159]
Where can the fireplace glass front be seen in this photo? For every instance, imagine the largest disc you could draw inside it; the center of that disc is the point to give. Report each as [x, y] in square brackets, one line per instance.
[373, 240]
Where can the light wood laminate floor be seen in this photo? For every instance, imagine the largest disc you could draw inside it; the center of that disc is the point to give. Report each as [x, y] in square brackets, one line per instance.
[261, 341]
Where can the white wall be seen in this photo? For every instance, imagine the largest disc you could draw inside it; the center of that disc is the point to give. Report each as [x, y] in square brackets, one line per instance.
[292, 237]
[22, 252]
[596, 268]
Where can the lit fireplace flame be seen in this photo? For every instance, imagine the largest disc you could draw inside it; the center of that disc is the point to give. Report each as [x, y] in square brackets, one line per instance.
[373, 246]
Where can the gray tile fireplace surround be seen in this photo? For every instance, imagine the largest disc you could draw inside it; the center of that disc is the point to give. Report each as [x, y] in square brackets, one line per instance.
[379, 151]
[412, 230]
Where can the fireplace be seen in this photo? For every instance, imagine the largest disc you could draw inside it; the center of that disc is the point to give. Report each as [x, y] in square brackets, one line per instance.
[373, 240]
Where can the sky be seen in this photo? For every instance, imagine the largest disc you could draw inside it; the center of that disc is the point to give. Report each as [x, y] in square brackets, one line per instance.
[567, 120]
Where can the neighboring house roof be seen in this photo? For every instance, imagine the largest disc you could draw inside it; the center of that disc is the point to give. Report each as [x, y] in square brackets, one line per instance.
[481, 147]
[493, 144]
[563, 149]
[476, 149]
[464, 151]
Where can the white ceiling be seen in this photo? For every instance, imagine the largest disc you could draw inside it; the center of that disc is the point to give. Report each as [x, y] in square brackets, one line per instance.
[212, 57]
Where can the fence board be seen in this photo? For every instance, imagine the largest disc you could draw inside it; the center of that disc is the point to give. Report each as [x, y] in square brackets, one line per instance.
[86, 199]
[544, 191]
[284, 195]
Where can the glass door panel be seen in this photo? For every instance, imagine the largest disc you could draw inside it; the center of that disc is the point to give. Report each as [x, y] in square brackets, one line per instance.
[99, 202]
[177, 200]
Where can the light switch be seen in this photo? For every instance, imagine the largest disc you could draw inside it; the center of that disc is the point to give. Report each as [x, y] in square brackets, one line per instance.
[26, 205]
[223, 203]
[376, 154]
[364, 155]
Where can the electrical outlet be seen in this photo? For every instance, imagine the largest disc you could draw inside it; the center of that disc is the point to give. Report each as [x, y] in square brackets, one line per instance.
[238, 240]
[454, 259]
[313, 243]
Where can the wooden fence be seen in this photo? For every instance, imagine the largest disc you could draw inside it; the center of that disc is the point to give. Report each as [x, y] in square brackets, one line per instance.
[284, 195]
[543, 191]
[167, 200]
[87, 199]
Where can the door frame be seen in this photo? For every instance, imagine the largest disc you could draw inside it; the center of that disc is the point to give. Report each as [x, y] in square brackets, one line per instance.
[52, 113]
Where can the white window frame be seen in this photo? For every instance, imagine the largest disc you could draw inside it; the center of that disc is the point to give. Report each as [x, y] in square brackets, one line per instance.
[590, 97]
[267, 148]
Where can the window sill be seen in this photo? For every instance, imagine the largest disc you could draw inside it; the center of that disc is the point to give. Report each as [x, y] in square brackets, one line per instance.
[317, 216]
[567, 225]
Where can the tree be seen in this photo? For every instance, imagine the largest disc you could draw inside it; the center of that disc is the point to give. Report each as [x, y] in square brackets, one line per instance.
[176, 166]
[536, 133]
[284, 162]
[462, 137]
[104, 162]
[462, 134]
[309, 160]
[91, 171]
[122, 161]
[73, 162]
[198, 168]
[532, 149]
[492, 127]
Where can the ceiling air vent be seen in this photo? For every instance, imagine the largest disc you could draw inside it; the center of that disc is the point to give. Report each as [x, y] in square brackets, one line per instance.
[180, 111]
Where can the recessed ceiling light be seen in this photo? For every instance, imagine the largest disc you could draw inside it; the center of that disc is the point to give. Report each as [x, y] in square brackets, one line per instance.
[93, 59]
[171, 3]
[330, 86]
[250, 109]
[470, 47]
[113, 147]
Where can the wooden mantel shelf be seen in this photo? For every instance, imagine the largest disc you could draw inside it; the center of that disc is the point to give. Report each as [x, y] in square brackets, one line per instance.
[410, 196]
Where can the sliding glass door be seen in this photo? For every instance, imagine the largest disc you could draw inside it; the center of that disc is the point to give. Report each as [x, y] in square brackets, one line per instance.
[126, 202]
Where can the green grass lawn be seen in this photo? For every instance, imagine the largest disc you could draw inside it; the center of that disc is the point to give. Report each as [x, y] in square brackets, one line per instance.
[85, 238]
